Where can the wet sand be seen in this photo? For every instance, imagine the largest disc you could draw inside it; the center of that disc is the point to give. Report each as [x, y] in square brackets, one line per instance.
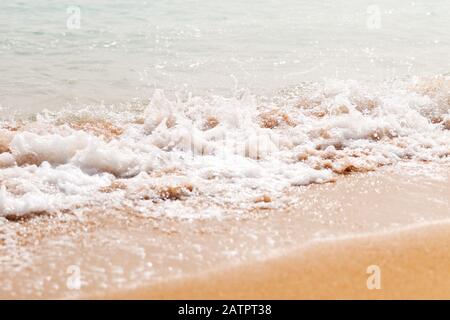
[319, 246]
[414, 263]
[412, 260]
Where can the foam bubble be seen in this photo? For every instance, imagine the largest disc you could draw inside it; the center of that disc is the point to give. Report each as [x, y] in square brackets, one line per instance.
[217, 155]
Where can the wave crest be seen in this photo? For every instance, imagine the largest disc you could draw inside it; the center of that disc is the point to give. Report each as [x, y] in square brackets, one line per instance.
[228, 151]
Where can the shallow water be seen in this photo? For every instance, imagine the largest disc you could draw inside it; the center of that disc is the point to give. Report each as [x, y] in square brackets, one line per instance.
[233, 154]
[223, 101]
[120, 51]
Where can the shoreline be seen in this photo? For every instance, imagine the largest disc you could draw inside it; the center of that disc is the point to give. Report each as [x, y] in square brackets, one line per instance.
[413, 261]
[126, 256]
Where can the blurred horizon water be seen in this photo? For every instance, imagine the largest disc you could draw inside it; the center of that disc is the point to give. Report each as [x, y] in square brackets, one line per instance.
[55, 54]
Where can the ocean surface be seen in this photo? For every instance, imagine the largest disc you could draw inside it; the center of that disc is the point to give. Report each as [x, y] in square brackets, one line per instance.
[143, 140]
[55, 54]
[131, 103]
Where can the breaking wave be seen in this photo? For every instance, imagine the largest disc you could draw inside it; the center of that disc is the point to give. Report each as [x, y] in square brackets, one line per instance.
[204, 156]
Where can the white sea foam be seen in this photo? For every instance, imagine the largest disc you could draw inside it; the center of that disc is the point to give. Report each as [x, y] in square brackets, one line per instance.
[201, 157]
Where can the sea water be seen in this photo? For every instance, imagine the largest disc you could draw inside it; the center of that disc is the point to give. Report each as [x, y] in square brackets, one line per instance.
[59, 53]
[131, 103]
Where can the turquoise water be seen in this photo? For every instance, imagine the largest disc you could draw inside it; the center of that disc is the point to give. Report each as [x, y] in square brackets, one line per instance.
[123, 50]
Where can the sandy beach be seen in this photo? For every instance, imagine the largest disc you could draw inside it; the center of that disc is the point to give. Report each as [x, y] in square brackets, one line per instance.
[394, 219]
[414, 264]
